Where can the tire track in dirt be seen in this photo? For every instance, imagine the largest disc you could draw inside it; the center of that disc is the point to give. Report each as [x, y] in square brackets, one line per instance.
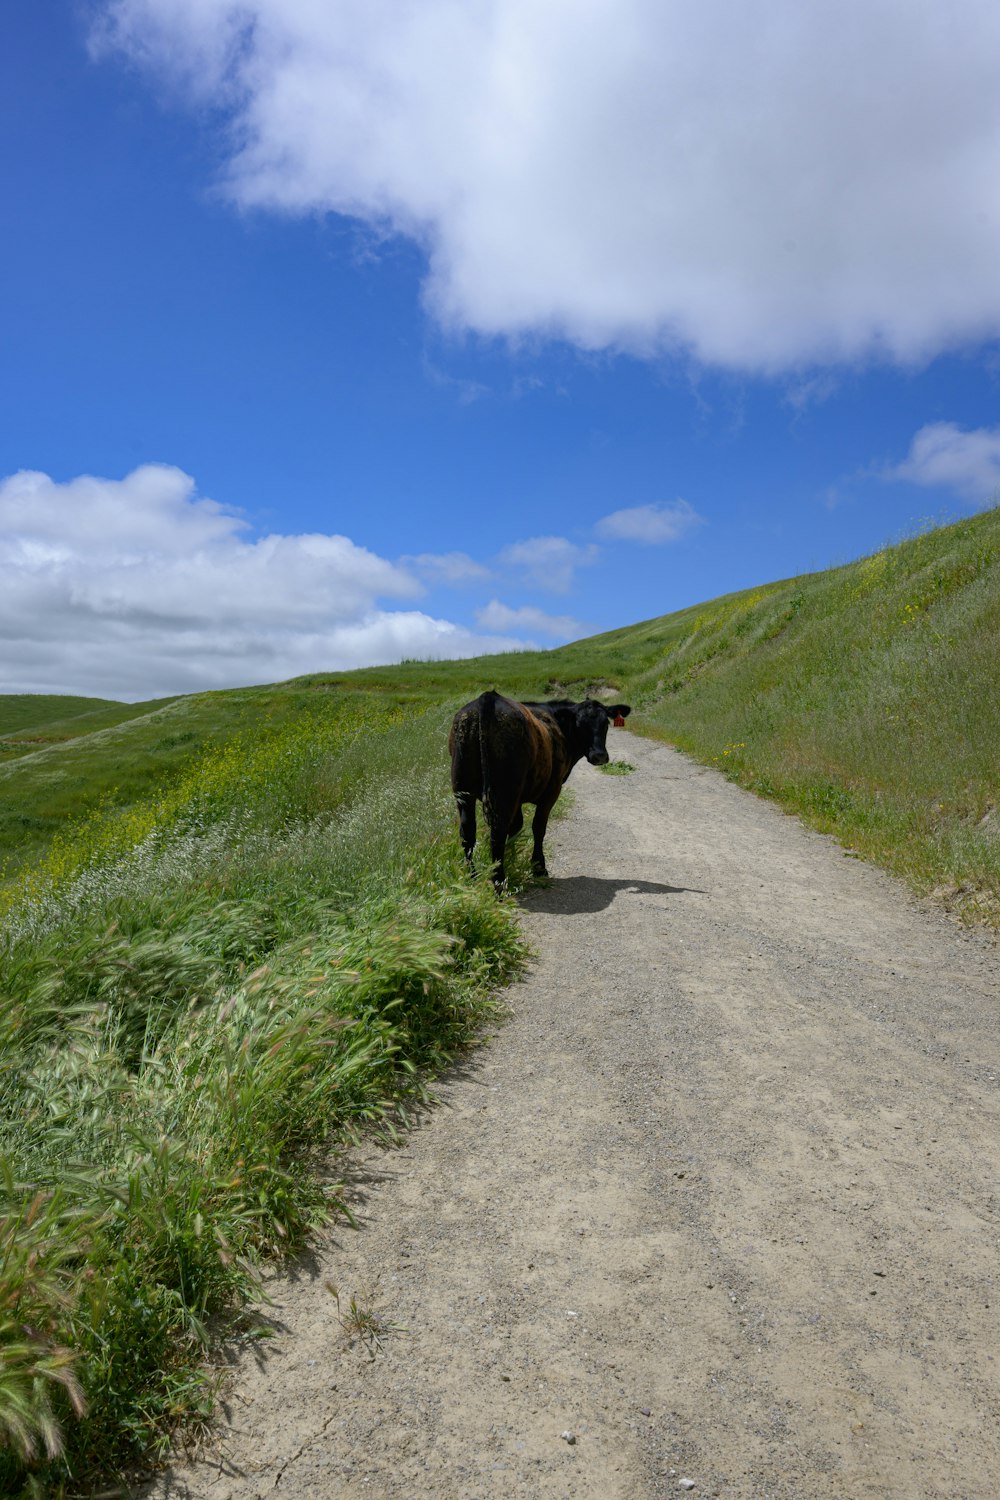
[719, 1201]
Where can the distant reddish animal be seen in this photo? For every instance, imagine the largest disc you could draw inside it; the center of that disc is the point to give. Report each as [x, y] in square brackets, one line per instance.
[505, 753]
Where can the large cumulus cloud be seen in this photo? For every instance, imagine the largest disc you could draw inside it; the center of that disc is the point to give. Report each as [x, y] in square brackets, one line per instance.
[137, 587]
[760, 185]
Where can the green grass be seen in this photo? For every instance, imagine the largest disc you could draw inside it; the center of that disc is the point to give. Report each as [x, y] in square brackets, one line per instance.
[130, 753]
[39, 743]
[235, 929]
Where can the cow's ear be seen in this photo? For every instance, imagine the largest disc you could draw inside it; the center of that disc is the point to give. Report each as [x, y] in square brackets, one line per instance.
[619, 711]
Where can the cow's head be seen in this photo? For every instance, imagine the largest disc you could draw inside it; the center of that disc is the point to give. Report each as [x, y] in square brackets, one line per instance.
[593, 719]
[585, 727]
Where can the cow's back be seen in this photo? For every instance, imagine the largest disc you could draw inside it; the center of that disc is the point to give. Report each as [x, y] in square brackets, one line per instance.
[500, 751]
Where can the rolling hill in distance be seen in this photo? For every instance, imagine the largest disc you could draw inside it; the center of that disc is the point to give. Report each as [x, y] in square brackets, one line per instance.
[863, 697]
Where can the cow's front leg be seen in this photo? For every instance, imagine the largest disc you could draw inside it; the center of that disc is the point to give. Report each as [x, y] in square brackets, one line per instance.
[538, 826]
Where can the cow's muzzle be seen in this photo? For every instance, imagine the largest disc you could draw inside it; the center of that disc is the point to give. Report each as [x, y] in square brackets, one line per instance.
[598, 757]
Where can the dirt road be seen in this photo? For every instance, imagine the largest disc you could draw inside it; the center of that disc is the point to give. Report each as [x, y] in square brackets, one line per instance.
[716, 1212]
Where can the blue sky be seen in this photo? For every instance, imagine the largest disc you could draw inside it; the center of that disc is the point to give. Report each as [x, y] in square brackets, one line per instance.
[335, 334]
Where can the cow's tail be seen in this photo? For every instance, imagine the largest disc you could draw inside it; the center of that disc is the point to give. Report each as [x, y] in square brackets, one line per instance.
[487, 720]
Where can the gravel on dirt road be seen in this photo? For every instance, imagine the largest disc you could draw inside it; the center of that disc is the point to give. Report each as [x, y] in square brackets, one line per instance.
[715, 1212]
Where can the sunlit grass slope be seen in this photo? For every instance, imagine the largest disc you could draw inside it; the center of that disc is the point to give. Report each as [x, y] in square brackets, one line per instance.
[128, 753]
[864, 698]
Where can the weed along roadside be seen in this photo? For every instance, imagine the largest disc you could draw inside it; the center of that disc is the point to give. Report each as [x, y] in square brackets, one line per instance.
[200, 994]
[254, 938]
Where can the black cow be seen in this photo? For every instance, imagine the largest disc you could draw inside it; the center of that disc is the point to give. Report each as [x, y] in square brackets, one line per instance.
[505, 753]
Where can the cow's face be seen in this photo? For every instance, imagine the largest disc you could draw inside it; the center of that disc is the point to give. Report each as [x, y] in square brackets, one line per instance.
[592, 720]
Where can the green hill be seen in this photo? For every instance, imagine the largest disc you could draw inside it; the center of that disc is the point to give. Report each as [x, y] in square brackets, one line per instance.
[29, 714]
[864, 698]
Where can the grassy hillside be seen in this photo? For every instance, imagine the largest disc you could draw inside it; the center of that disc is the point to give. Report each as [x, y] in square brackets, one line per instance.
[119, 756]
[28, 714]
[864, 698]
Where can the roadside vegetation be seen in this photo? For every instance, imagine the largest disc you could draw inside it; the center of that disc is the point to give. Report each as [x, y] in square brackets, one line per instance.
[235, 930]
[201, 992]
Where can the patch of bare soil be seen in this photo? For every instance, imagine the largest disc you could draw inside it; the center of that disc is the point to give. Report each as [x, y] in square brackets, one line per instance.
[714, 1213]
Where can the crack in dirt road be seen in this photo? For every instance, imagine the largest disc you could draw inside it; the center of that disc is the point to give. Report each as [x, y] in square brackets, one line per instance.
[719, 1201]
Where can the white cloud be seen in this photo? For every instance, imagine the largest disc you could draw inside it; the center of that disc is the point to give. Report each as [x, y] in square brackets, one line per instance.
[764, 186]
[134, 588]
[652, 524]
[943, 456]
[550, 562]
[498, 616]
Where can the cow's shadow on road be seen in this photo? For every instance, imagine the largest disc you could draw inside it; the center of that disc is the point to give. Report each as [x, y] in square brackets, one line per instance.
[580, 895]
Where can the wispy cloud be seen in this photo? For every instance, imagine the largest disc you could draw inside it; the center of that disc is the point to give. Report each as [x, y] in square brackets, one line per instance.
[137, 587]
[465, 390]
[810, 390]
[550, 562]
[652, 524]
[656, 176]
[945, 456]
[498, 616]
[447, 567]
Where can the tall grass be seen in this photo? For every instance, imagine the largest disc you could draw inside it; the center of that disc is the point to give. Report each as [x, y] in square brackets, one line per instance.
[199, 994]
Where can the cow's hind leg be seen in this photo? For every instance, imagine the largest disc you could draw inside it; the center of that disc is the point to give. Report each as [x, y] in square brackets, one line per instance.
[501, 819]
[467, 824]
